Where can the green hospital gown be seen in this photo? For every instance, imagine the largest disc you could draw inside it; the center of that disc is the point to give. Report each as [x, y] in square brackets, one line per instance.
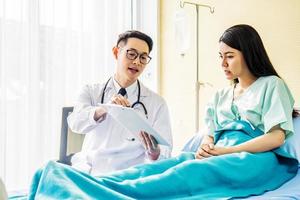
[264, 104]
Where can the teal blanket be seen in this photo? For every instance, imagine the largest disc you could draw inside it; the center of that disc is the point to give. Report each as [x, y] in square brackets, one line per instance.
[183, 177]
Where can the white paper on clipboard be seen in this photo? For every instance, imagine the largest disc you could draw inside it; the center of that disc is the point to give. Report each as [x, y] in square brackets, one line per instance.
[132, 121]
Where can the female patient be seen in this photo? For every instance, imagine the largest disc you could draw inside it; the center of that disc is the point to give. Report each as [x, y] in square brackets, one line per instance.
[246, 124]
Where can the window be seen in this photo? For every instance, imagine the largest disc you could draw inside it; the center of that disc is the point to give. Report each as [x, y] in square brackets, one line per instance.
[48, 50]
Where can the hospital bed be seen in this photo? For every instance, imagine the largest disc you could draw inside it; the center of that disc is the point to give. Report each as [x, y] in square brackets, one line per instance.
[289, 190]
[71, 143]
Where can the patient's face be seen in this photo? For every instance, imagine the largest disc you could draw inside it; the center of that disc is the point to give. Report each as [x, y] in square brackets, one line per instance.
[232, 62]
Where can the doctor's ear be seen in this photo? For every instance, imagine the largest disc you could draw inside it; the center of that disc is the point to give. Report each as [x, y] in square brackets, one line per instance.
[115, 51]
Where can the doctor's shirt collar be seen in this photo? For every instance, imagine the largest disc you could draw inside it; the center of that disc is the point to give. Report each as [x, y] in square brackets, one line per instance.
[131, 90]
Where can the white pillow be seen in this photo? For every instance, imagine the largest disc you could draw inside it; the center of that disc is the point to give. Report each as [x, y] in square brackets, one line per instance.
[292, 144]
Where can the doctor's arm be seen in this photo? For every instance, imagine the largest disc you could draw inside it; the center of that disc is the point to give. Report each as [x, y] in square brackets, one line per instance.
[118, 99]
[86, 115]
[162, 125]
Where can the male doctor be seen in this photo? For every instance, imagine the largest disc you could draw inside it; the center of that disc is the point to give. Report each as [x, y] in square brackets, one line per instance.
[107, 145]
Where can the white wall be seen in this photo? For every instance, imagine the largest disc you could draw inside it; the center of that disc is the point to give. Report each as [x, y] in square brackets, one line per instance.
[277, 21]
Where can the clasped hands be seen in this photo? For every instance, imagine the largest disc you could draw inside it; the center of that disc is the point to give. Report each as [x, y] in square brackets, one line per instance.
[208, 149]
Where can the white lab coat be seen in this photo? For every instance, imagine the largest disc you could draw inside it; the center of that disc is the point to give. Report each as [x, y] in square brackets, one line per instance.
[107, 145]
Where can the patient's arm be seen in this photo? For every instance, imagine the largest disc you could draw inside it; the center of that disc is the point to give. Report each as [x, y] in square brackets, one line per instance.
[273, 139]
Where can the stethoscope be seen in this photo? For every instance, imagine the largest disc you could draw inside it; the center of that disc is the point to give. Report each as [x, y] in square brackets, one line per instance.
[138, 102]
[132, 106]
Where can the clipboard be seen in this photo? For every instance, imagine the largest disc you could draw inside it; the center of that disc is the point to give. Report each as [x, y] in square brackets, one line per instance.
[132, 121]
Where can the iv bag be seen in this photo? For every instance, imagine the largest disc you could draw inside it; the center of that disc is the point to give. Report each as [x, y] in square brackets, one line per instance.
[182, 31]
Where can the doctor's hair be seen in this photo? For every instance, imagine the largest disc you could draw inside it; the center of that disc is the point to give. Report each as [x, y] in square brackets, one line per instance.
[247, 40]
[123, 37]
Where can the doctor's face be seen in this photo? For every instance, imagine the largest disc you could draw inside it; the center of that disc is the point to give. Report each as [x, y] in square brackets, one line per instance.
[132, 59]
[232, 62]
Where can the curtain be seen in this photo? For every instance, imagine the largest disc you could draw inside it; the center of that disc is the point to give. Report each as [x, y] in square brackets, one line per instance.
[48, 50]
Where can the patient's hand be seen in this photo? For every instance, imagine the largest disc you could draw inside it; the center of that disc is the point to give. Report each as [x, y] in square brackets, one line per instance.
[205, 151]
[150, 145]
[204, 148]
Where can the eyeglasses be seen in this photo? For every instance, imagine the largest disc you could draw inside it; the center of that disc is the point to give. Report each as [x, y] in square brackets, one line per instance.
[132, 54]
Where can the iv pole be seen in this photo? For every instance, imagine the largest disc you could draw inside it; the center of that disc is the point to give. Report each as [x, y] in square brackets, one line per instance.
[198, 83]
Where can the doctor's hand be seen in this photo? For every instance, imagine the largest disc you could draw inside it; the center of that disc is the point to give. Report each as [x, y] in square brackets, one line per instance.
[120, 100]
[150, 144]
[100, 114]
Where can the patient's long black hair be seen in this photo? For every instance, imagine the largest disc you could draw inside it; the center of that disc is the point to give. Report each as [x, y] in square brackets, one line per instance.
[247, 40]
